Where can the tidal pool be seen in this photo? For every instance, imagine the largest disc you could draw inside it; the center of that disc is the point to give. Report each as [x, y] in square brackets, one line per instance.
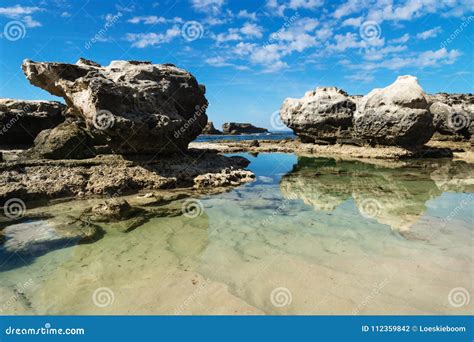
[309, 236]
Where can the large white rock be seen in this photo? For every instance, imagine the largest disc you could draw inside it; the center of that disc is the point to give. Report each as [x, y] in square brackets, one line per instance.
[321, 114]
[139, 107]
[395, 115]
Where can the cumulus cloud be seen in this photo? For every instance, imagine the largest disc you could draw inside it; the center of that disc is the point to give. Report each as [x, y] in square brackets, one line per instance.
[429, 33]
[22, 13]
[142, 40]
[247, 15]
[280, 6]
[252, 30]
[208, 6]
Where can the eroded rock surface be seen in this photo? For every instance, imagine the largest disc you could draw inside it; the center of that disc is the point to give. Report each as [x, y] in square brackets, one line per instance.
[112, 175]
[324, 114]
[396, 115]
[140, 107]
[453, 115]
[22, 120]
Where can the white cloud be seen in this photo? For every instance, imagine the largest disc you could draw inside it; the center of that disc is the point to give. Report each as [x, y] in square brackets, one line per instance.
[441, 56]
[420, 60]
[352, 41]
[232, 34]
[279, 7]
[429, 33]
[217, 61]
[351, 6]
[142, 40]
[65, 14]
[208, 6]
[381, 10]
[154, 20]
[30, 22]
[356, 22]
[18, 11]
[252, 30]
[247, 15]
[22, 13]
[401, 40]
[147, 20]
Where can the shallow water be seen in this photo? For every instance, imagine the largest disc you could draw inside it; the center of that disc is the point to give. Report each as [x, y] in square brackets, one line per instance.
[310, 236]
[279, 135]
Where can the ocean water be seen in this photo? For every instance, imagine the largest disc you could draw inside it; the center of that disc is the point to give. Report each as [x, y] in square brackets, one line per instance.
[261, 136]
[309, 236]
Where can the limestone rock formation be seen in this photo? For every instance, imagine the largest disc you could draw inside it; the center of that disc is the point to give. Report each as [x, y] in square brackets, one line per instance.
[140, 107]
[395, 115]
[453, 115]
[210, 129]
[235, 128]
[66, 141]
[110, 175]
[324, 114]
[22, 120]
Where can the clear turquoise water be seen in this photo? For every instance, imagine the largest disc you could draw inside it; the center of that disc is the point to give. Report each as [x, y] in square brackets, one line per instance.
[309, 236]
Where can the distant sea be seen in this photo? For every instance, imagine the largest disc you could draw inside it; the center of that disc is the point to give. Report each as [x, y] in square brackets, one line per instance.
[260, 136]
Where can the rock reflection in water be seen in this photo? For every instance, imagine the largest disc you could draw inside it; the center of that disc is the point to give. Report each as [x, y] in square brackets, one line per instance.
[317, 248]
[395, 196]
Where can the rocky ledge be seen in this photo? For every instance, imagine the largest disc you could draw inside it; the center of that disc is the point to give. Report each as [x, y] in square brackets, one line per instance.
[235, 128]
[22, 120]
[461, 150]
[113, 175]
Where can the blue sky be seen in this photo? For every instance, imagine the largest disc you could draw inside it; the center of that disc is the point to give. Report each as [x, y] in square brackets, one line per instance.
[251, 55]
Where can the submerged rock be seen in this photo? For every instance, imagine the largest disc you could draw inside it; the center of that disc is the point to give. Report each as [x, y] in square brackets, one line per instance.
[235, 128]
[322, 114]
[22, 120]
[210, 129]
[140, 107]
[396, 115]
[36, 237]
